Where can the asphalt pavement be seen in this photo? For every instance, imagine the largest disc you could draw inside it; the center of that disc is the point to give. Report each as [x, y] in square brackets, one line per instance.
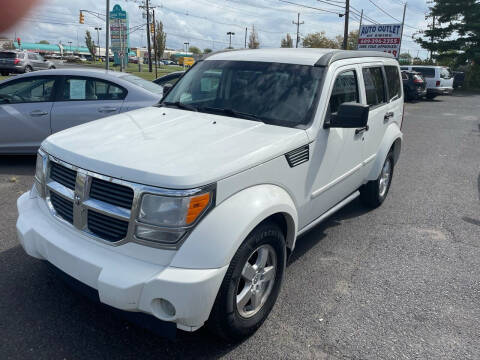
[399, 282]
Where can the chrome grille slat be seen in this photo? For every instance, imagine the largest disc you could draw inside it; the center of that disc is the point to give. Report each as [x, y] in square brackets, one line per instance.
[63, 175]
[111, 193]
[106, 227]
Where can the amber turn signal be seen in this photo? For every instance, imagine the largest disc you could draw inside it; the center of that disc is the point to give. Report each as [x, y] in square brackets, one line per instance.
[197, 205]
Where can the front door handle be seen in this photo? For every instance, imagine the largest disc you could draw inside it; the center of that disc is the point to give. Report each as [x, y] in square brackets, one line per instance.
[107, 109]
[361, 130]
[38, 113]
[388, 115]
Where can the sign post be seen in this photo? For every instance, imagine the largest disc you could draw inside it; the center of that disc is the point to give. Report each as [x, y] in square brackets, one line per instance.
[119, 35]
[386, 38]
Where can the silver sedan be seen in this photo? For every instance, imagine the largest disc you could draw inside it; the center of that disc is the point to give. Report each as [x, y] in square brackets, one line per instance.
[35, 105]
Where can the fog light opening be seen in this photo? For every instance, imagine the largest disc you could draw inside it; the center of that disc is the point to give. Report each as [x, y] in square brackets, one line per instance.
[163, 309]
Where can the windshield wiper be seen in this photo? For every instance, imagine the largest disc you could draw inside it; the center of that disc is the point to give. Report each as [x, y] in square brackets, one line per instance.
[231, 112]
[180, 105]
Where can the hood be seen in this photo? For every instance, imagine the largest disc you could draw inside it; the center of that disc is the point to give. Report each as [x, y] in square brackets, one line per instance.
[171, 148]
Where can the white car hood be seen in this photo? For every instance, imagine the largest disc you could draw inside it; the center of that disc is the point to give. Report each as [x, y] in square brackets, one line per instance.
[171, 148]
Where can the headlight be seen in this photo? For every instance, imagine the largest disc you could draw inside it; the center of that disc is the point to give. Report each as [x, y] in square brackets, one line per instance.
[40, 170]
[166, 219]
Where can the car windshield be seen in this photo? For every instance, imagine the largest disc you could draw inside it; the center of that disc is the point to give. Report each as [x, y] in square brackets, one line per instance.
[278, 94]
[147, 85]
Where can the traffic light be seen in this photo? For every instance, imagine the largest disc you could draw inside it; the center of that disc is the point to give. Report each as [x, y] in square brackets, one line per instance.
[152, 28]
[82, 18]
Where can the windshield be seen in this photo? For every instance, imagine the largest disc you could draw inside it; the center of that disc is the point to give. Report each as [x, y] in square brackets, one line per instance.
[279, 94]
[147, 85]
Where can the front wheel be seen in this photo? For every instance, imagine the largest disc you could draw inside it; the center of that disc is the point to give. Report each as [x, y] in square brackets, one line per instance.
[251, 285]
[28, 69]
[374, 193]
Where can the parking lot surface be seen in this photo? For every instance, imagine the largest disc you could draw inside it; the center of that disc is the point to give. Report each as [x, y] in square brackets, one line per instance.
[398, 282]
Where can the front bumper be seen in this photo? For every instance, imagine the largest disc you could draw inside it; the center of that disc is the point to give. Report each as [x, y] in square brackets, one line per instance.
[123, 282]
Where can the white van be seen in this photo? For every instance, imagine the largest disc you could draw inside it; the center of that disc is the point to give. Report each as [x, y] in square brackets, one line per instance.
[188, 210]
[439, 79]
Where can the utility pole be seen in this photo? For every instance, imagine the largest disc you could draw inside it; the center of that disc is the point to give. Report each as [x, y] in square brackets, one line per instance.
[98, 40]
[347, 17]
[298, 23]
[246, 30]
[146, 7]
[107, 36]
[431, 38]
[230, 42]
[155, 42]
[360, 27]
[401, 35]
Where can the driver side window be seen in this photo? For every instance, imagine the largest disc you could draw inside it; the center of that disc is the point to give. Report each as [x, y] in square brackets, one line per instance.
[345, 89]
[28, 90]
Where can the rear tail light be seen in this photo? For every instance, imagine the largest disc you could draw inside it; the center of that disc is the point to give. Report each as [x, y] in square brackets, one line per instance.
[16, 61]
[438, 83]
[417, 79]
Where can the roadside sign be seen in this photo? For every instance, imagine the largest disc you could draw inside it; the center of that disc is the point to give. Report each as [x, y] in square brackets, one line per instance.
[119, 34]
[386, 38]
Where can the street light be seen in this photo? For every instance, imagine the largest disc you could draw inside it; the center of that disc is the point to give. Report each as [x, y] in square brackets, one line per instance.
[98, 40]
[230, 34]
[187, 44]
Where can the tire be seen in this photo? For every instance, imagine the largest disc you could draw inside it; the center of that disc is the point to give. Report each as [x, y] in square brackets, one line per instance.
[5, 73]
[431, 96]
[374, 193]
[234, 321]
[52, 68]
[27, 69]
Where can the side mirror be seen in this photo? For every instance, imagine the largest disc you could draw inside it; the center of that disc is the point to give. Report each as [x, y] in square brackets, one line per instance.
[166, 88]
[349, 115]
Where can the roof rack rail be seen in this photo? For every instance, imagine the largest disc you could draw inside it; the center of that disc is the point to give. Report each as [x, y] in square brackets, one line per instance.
[336, 55]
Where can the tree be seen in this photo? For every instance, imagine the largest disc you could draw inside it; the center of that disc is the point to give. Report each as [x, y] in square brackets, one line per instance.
[287, 42]
[43, 42]
[352, 42]
[207, 51]
[90, 43]
[161, 40]
[319, 40]
[253, 42]
[455, 30]
[194, 50]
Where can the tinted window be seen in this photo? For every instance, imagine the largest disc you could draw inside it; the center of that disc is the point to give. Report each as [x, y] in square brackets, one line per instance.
[374, 86]
[26, 91]
[91, 89]
[393, 81]
[279, 94]
[7, 55]
[344, 90]
[404, 76]
[169, 79]
[426, 72]
[445, 73]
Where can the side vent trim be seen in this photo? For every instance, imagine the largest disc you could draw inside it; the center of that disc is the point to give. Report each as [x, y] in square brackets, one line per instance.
[298, 156]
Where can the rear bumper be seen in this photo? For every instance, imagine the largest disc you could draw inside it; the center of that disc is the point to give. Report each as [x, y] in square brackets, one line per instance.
[440, 91]
[12, 68]
[123, 282]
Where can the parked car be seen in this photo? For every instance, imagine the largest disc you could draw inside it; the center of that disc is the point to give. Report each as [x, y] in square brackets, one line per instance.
[439, 79]
[458, 79]
[414, 85]
[187, 211]
[35, 105]
[14, 61]
[171, 78]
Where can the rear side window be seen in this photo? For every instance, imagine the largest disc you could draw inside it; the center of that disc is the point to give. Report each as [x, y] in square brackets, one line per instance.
[27, 90]
[91, 89]
[344, 90]
[404, 76]
[445, 73]
[7, 55]
[393, 81]
[374, 86]
[426, 72]
[32, 57]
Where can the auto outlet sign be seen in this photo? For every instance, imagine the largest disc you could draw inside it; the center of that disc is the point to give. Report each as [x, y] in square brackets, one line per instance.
[386, 38]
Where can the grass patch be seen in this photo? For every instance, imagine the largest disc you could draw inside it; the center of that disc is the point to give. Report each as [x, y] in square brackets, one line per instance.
[134, 69]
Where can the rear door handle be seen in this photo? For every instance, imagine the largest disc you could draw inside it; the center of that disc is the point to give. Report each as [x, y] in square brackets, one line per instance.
[388, 115]
[361, 130]
[107, 109]
[38, 113]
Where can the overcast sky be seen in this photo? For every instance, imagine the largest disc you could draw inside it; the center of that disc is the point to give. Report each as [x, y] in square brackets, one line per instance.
[204, 23]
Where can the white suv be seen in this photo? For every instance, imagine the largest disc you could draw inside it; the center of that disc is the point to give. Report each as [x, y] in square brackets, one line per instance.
[187, 210]
[439, 79]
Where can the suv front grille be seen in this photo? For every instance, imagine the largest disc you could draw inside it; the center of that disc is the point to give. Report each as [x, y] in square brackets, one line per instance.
[111, 193]
[63, 207]
[106, 227]
[71, 190]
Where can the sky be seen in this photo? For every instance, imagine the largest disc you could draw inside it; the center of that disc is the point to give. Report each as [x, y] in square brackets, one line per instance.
[205, 23]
